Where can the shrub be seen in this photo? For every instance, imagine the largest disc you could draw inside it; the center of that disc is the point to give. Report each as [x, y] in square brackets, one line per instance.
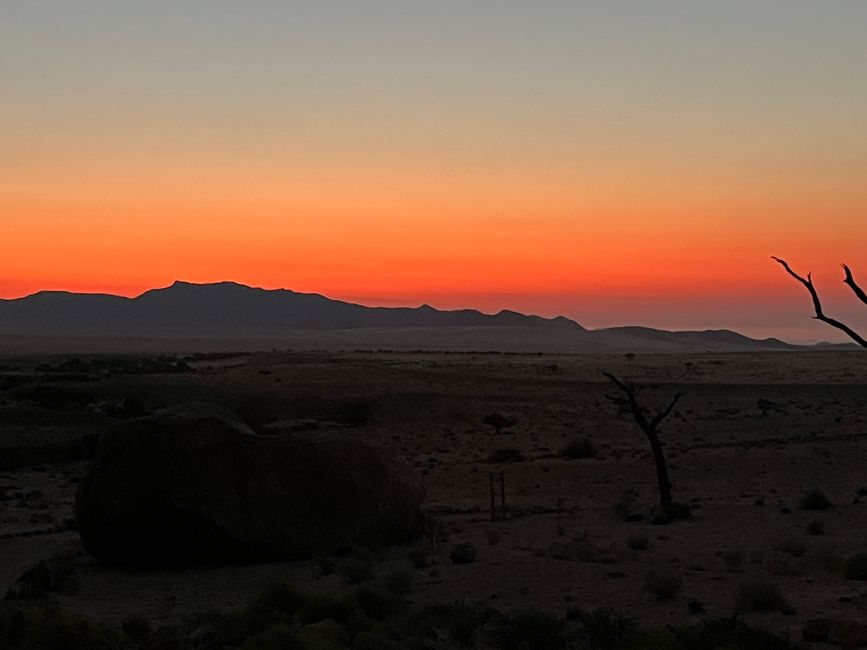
[532, 630]
[276, 637]
[665, 586]
[418, 558]
[584, 549]
[499, 421]
[793, 547]
[695, 607]
[579, 448]
[638, 542]
[780, 567]
[47, 627]
[376, 605]
[760, 597]
[355, 571]
[399, 582]
[463, 554]
[458, 621]
[856, 567]
[354, 413]
[815, 499]
[734, 560]
[507, 455]
[55, 575]
[626, 506]
[604, 628]
[137, 628]
[716, 634]
[322, 565]
[816, 527]
[277, 603]
[828, 560]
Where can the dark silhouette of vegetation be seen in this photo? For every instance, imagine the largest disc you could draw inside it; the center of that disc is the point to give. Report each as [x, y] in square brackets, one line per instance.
[815, 499]
[649, 425]
[848, 280]
[760, 596]
[856, 567]
[282, 617]
[665, 586]
[499, 421]
[507, 455]
[580, 448]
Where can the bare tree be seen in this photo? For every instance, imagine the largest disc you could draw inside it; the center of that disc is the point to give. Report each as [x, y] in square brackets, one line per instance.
[849, 280]
[649, 424]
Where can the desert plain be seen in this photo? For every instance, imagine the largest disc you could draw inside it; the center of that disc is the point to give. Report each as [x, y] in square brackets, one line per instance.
[752, 435]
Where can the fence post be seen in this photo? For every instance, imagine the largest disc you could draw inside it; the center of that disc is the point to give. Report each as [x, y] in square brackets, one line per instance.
[493, 501]
[503, 496]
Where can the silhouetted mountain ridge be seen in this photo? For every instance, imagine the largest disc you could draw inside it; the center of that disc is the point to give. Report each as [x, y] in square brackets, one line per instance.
[228, 310]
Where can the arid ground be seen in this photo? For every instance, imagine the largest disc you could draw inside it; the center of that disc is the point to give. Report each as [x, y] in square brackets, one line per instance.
[751, 435]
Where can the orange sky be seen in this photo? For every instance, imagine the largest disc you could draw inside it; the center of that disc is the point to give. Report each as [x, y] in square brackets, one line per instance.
[610, 169]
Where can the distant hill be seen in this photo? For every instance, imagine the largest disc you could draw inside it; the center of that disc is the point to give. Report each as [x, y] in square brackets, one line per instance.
[227, 310]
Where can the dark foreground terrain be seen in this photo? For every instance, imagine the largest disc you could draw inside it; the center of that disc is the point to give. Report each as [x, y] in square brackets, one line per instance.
[768, 449]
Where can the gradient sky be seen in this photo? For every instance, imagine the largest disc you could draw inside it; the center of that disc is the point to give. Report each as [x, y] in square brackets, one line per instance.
[616, 162]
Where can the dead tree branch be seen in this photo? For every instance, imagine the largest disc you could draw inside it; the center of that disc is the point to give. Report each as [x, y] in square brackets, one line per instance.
[858, 291]
[817, 304]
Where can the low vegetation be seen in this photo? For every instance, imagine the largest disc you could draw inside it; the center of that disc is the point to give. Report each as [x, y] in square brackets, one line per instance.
[856, 567]
[282, 617]
[665, 586]
[761, 596]
[815, 499]
[579, 448]
[499, 421]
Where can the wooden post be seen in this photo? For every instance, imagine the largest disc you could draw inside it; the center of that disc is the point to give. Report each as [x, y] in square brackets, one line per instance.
[503, 496]
[493, 502]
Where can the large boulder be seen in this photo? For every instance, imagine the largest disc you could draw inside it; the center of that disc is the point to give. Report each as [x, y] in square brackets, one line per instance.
[195, 484]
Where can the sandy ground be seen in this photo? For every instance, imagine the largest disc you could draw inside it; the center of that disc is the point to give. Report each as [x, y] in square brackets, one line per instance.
[752, 433]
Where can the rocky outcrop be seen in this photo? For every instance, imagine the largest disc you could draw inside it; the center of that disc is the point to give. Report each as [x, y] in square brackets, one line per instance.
[195, 484]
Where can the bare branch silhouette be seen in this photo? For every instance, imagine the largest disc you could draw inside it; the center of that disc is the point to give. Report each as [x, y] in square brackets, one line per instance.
[858, 291]
[817, 304]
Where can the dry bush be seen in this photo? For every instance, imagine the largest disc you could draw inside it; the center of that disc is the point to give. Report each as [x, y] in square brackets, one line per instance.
[665, 586]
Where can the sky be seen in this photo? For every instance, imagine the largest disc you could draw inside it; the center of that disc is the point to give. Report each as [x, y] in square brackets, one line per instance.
[619, 162]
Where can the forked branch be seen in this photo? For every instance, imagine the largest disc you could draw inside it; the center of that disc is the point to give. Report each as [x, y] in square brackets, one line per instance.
[858, 291]
[817, 304]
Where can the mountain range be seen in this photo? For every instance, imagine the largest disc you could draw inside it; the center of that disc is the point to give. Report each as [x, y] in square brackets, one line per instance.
[228, 310]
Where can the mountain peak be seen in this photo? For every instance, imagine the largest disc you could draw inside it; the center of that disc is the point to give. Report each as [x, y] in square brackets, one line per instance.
[231, 310]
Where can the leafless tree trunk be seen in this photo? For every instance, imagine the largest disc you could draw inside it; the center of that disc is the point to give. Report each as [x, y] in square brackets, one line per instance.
[649, 426]
[820, 315]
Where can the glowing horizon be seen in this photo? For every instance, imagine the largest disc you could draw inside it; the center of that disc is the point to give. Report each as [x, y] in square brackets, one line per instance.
[610, 162]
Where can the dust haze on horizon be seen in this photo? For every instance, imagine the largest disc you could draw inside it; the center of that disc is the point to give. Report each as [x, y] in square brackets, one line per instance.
[614, 163]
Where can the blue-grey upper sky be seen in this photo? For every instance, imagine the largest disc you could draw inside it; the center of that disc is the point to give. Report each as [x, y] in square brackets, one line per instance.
[588, 158]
